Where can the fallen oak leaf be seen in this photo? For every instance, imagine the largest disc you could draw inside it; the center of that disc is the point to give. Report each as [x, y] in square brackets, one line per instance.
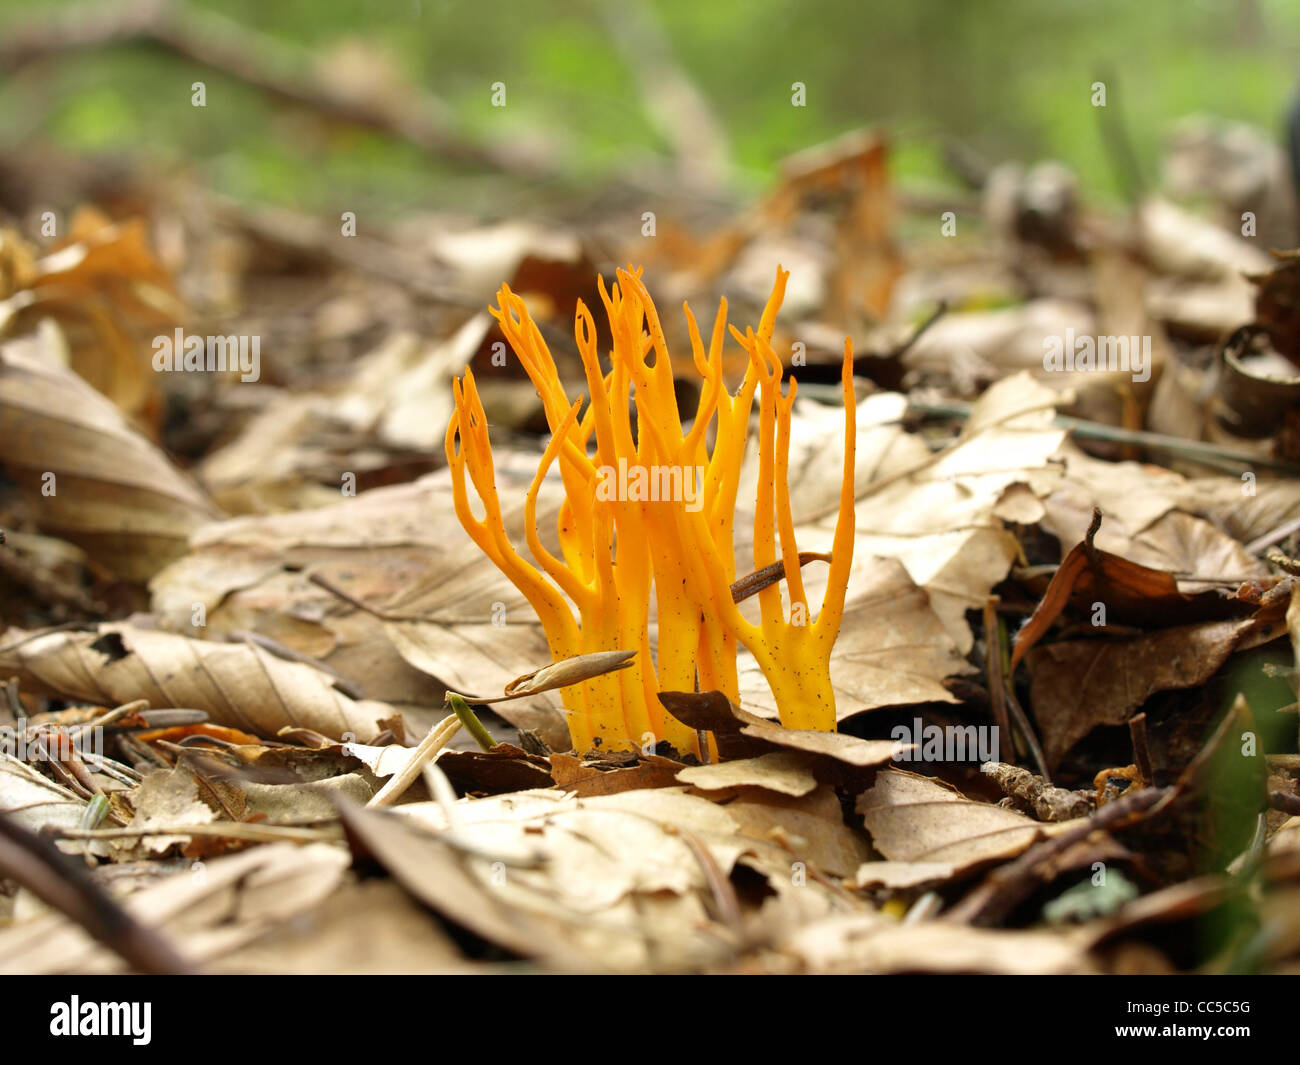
[1012, 883]
[871, 943]
[504, 768]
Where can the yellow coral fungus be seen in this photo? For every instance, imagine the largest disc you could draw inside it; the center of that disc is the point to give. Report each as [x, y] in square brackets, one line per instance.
[649, 511]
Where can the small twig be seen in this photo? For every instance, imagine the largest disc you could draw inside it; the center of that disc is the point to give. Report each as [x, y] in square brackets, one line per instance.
[1284, 563]
[12, 702]
[720, 886]
[1114, 434]
[1049, 803]
[280, 71]
[993, 664]
[249, 831]
[173, 717]
[116, 714]
[1137, 729]
[920, 331]
[1027, 731]
[438, 738]
[1270, 538]
[23, 768]
[351, 600]
[1009, 885]
[755, 582]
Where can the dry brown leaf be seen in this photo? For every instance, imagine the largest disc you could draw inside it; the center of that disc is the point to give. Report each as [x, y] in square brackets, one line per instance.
[915, 819]
[940, 520]
[784, 772]
[368, 928]
[395, 402]
[897, 876]
[110, 296]
[741, 734]
[88, 476]
[494, 900]
[571, 774]
[873, 944]
[1077, 685]
[803, 831]
[238, 684]
[619, 876]
[398, 550]
[164, 798]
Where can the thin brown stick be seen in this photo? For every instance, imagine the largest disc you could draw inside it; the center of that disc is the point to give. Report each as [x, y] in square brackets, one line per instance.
[62, 884]
[1009, 885]
[755, 582]
[252, 832]
[1137, 729]
[993, 665]
[1027, 731]
[1193, 449]
[720, 886]
[1284, 530]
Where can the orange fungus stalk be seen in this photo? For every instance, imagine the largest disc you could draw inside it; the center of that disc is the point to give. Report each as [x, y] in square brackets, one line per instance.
[648, 517]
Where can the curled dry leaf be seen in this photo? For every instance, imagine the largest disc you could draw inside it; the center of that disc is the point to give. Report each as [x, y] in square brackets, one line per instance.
[240, 685]
[164, 798]
[86, 474]
[546, 912]
[740, 734]
[1133, 594]
[913, 819]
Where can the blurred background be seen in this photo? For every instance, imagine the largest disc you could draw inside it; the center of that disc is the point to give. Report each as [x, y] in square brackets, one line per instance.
[1008, 79]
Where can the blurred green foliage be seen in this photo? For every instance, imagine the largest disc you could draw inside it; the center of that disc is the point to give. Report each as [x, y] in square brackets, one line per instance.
[1010, 78]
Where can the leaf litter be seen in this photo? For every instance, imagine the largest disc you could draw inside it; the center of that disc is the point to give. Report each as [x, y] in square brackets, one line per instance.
[231, 649]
